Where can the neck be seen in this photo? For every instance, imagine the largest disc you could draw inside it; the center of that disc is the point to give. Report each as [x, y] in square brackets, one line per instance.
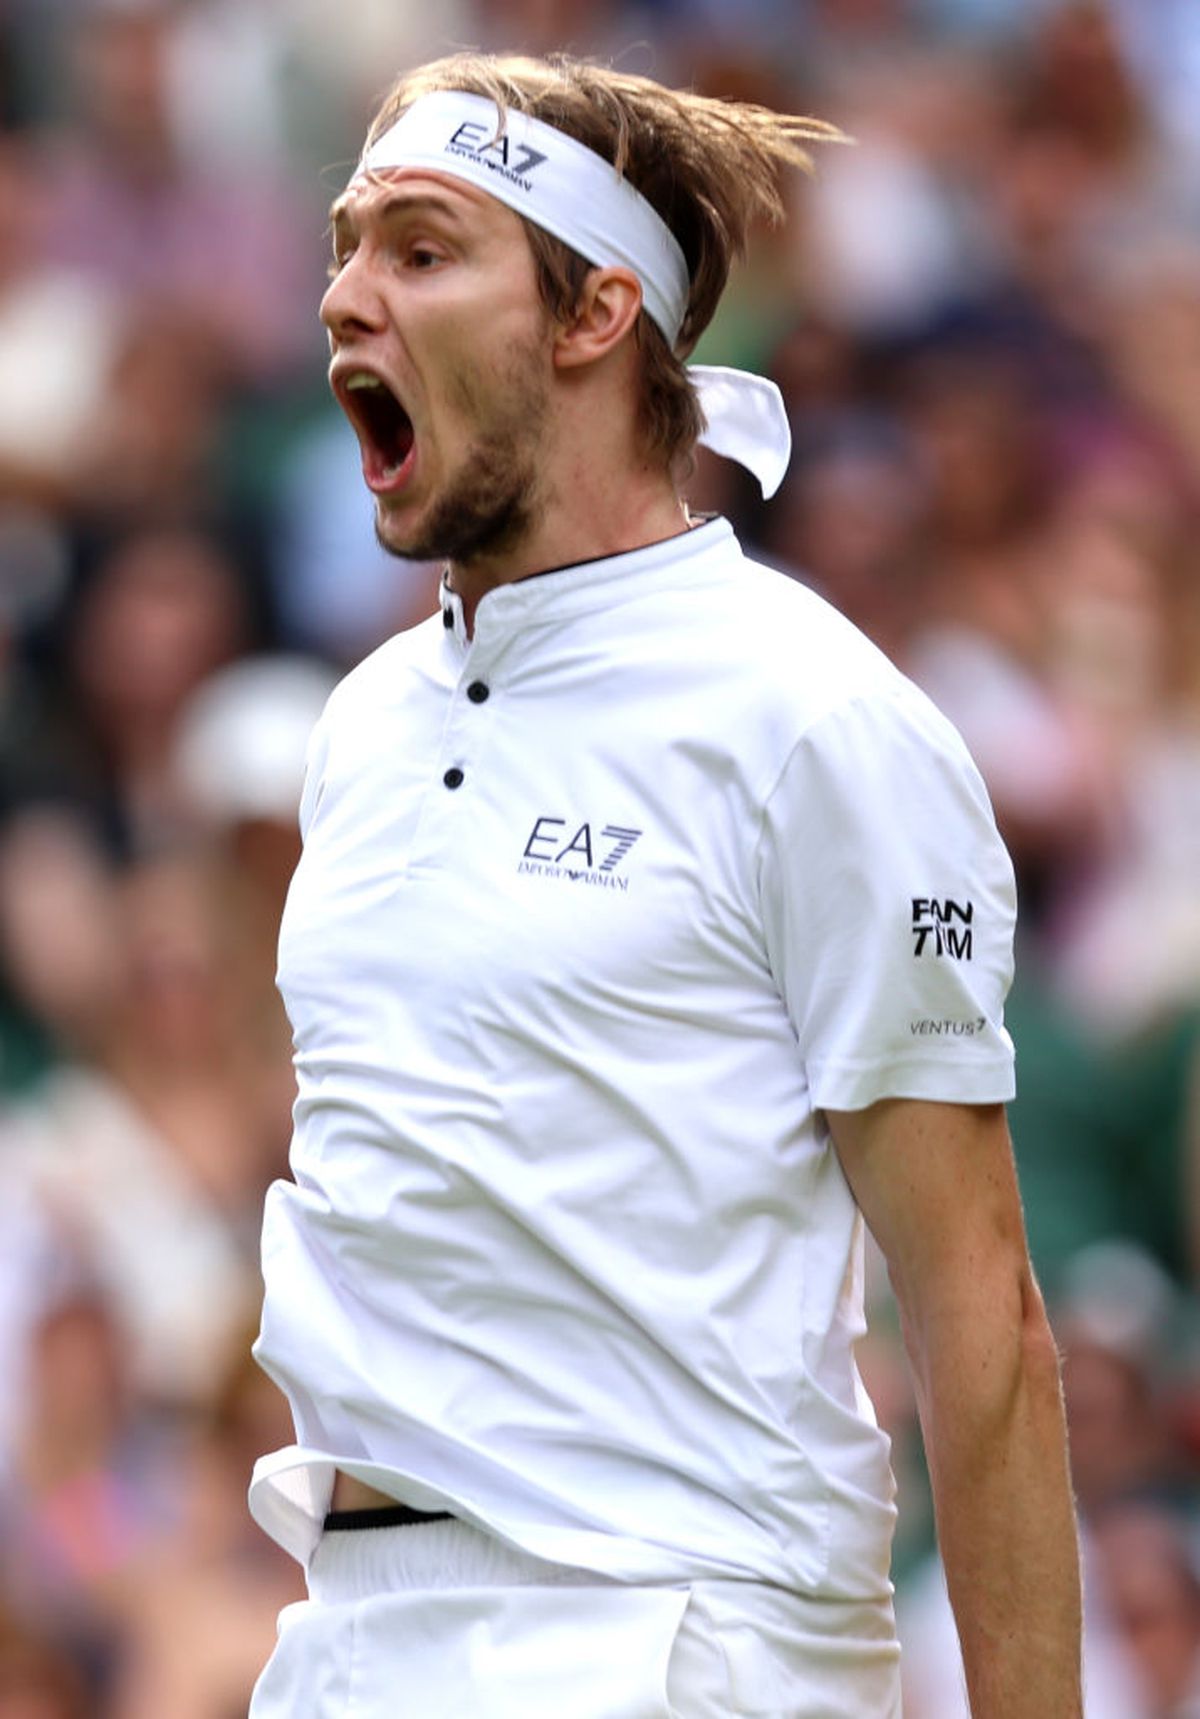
[584, 519]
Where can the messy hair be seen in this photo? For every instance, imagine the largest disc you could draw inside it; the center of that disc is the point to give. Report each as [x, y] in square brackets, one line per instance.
[709, 168]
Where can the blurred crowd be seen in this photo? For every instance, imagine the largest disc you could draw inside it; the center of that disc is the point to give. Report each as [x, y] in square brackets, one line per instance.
[985, 317]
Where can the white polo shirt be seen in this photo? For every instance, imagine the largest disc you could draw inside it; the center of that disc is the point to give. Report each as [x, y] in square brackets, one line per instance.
[597, 910]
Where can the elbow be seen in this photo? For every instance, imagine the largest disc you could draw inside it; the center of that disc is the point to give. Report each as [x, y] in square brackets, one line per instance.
[1041, 1361]
[983, 1347]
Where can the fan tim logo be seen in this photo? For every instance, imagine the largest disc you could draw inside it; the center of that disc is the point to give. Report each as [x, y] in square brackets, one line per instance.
[588, 853]
[512, 161]
[942, 927]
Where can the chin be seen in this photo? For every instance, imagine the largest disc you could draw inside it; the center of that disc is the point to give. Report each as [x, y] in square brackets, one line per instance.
[398, 537]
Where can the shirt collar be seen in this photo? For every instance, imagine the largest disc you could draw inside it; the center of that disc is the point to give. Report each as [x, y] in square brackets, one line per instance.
[557, 594]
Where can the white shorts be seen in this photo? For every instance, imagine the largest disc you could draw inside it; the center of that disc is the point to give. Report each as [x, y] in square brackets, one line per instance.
[440, 1621]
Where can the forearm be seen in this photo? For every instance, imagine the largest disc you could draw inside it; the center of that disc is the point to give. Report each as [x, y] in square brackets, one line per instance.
[937, 1185]
[991, 1410]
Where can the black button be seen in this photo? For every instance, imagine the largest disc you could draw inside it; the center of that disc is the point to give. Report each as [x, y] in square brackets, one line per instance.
[478, 692]
[447, 618]
[453, 777]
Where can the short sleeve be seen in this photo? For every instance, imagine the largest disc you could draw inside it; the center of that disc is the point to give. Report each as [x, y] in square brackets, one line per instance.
[889, 905]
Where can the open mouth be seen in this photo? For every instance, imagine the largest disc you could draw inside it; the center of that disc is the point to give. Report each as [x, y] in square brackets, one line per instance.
[384, 428]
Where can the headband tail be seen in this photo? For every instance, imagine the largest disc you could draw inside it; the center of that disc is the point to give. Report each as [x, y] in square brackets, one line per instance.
[746, 421]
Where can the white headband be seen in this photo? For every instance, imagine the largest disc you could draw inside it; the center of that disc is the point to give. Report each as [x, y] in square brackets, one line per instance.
[570, 191]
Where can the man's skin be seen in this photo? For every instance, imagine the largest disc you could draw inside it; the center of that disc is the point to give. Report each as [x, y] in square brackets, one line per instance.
[435, 293]
[937, 1187]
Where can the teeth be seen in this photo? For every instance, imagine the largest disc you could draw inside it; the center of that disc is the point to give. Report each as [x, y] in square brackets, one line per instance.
[363, 379]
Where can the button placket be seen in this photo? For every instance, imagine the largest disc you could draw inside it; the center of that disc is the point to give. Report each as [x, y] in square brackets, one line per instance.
[478, 692]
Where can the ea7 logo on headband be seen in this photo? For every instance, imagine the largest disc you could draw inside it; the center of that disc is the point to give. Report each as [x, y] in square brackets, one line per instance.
[514, 160]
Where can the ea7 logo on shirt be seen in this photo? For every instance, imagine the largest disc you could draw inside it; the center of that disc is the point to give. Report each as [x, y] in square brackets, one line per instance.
[589, 853]
[513, 161]
[942, 927]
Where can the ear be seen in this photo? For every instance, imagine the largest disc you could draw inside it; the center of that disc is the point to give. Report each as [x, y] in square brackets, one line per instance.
[608, 308]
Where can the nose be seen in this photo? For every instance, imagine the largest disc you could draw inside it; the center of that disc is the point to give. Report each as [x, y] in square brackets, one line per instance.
[352, 305]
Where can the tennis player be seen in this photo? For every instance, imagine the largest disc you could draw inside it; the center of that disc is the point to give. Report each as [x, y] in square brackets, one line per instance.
[652, 931]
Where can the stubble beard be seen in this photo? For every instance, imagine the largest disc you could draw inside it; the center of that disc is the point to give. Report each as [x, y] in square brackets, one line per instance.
[493, 501]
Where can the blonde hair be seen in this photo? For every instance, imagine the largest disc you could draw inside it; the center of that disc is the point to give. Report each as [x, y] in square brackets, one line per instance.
[709, 168]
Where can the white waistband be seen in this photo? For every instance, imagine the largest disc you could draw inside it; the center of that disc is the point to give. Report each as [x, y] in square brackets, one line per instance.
[352, 1564]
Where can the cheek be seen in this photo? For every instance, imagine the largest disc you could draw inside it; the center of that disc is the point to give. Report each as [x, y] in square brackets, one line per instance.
[484, 347]
[505, 389]
[464, 390]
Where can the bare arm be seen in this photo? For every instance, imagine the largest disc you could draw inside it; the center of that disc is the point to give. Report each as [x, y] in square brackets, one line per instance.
[937, 1188]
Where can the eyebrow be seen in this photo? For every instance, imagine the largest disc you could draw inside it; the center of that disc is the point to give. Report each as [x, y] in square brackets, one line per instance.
[398, 205]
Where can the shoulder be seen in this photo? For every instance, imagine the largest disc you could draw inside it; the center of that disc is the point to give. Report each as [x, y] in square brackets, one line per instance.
[800, 646]
[372, 683]
[808, 677]
[348, 727]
